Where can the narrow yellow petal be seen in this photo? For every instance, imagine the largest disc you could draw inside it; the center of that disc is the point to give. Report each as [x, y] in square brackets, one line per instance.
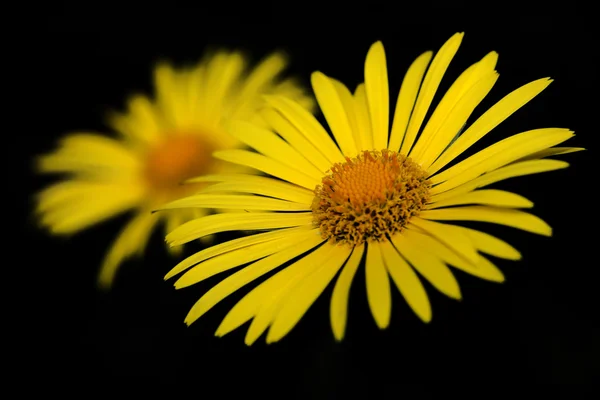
[172, 220]
[457, 118]
[249, 274]
[553, 151]
[169, 95]
[350, 105]
[336, 115]
[502, 216]
[265, 187]
[216, 223]
[223, 72]
[268, 166]
[299, 298]
[407, 282]
[308, 125]
[406, 99]
[427, 264]
[432, 80]
[449, 235]
[268, 293]
[234, 201]
[296, 139]
[491, 245]
[93, 156]
[266, 142]
[363, 121]
[489, 120]
[70, 206]
[378, 98]
[141, 124]
[231, 245]
[235, 258]
[490, 197]
[510, 171]
[480, 269]
[338, 311]
[131, 240]
[455, 108]
[257, 81]
[273, 301]
[498, 155]
[378, 286]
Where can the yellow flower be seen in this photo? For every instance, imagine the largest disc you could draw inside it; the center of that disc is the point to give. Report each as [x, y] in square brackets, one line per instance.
[161, 142]
[378, 193]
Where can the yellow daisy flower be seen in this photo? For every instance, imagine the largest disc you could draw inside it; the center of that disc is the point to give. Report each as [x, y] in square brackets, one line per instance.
[374, 192]
[161, 142]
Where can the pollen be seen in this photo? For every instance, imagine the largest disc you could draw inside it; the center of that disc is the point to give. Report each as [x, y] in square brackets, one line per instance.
[178, 158]
[370, 197]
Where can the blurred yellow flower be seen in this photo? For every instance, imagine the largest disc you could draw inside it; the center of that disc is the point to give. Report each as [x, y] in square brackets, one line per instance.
[161, 142]
[372, 192]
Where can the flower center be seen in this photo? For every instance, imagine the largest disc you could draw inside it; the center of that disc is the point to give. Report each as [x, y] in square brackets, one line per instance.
[175, 160]
[370, 197]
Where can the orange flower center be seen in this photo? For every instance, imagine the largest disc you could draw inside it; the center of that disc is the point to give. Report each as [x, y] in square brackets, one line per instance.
[175, 160]
[369, 197]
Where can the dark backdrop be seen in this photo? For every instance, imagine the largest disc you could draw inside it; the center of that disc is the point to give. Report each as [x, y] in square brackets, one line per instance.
[84, 58]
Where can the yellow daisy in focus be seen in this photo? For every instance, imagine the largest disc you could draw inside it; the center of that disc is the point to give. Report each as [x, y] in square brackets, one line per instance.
[161, 142]
[379, 193]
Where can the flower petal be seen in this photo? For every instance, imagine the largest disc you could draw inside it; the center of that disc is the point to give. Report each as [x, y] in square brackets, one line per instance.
[378, 286]
[338, 312]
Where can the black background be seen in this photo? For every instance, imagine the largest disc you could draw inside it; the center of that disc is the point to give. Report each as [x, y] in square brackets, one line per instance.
[82, 59]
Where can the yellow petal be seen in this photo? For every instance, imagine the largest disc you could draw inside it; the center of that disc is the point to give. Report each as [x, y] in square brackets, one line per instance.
[455, 107]
[480, 269]
[407, 282]
[267, 165]
[489, 120]
[457, 118]
[248, 274]
[299, 298]
[432, 80]
[235, 258]
[308, 125]
[216, 223]
[491, 245]
[141, 124]
[378, 286]
[363, 121]
[173, 220]
[93, 156]
[261, 303]
[510, 171]
[377, 90]
[70, 206]
[427, 264]
[266, 142]
[223, 72]
[235, 201]
[257, 81]
[131, 240]
[449, 235]
[336, 115]
[406, 99]
[296, 139]
[231, 245]
[338, 312]
[498, 155]
[502, 216]
[554, 151]
[350, 106]
[490, 197]
[261, 185]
